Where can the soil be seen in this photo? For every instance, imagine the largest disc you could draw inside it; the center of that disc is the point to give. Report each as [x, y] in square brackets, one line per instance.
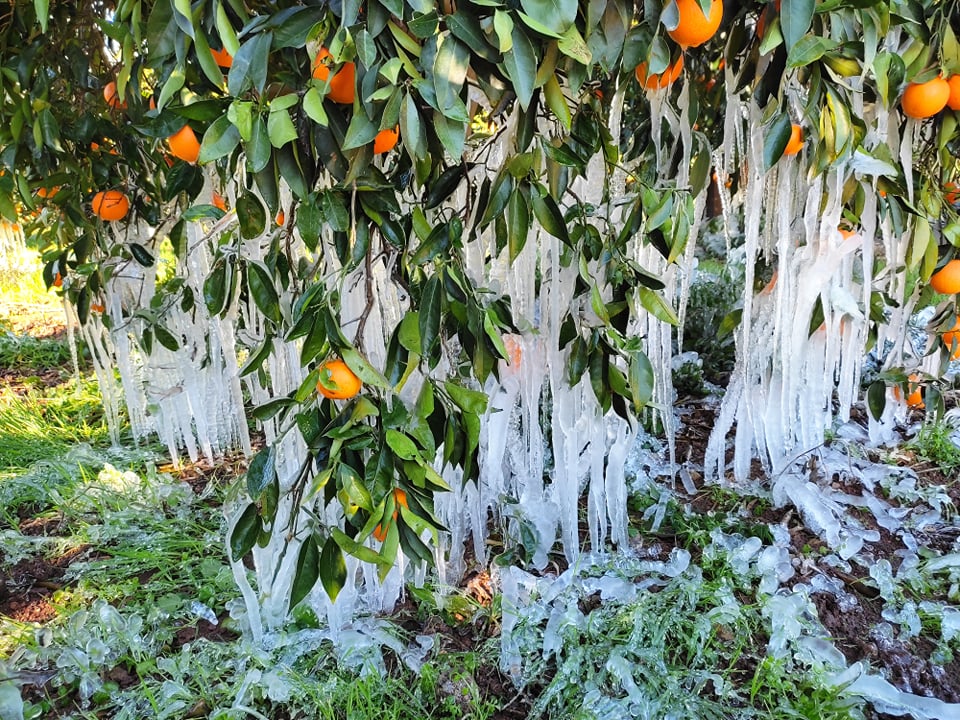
[855, 631]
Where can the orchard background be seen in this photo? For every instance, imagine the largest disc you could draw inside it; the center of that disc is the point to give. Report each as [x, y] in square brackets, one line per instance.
[438, 283]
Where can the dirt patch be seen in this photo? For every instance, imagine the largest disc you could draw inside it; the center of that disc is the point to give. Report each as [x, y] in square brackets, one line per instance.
[205, 630]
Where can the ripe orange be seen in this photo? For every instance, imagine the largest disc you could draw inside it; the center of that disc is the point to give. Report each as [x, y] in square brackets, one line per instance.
[222, 58]
[48, 192]
[695, 28]
[184, 145]
[953, 101]
[97, 307]
[280, 218]
[514, 350]
[111, 205]
[113, 99]
[665, 79]
[386, 140]
[923, 100]
[342, 378]
[846, 233]
[795, 143]
[218, 201]
[400, 498]
[951, 338]
[343, 82]
[951, 193]
[58, 282]
[946, 280]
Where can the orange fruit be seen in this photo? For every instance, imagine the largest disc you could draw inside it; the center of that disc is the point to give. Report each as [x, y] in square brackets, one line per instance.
[48, 192]
[343, 82]
[400, 498]
[97, 307]
[337, 374]
[111, 205]
[184, 145]
[665, 79]
[222, 58]
[280, 218]
[386, 140]
[58, 282]
[514, 350]
[951, 193]
[951, 338]
[946, 280]
[218, 202]
[953, 101]
[923, 100]
[846, 233]
[113, 99]
[915, 396]
[795, 144]
[694, 27]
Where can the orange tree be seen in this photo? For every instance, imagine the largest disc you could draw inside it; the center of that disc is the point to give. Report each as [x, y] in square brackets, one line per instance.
[515, 120]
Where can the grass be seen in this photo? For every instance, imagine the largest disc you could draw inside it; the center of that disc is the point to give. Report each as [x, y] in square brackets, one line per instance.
[47, 422]
[934, 444]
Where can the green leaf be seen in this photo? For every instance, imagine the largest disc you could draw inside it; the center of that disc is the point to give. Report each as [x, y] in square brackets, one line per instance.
[165, 338]
[411, 131]
[448, 181]
[42, 10]
[360, 132]
[470, 401]
[333, 569]
[429, 317]
[657, 306]
[641, 380]
[363, 369]
[549, 216]
[313, 106]
[141, 254]
[258, 149]
[207, 63]
[877, 398]
[260, 473]
[309, 222]
[250, 65]
[403, 447]
[251, 215]
[351, 546]
[408, 333]
[574, 46]
[280, 128]
[258, 356]
[518, 223]
[776, 139]
[808, 49]
[220, 139]
[244, 534]
[263, 291]
[308, 571]
[216, 287]
[795, 19]
[521, 66]
[449, 73]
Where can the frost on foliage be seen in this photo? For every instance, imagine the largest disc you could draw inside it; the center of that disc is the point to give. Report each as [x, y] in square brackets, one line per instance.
[781, 394]
[190, 397]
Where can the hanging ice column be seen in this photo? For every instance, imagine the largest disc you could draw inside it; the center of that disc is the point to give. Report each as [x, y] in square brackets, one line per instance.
[191, 397]
[587, 449]
[791, 380]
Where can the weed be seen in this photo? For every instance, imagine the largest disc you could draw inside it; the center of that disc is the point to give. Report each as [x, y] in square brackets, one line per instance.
[935, 443]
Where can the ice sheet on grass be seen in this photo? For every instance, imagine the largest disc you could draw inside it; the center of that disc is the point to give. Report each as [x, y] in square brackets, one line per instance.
[888, 699]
